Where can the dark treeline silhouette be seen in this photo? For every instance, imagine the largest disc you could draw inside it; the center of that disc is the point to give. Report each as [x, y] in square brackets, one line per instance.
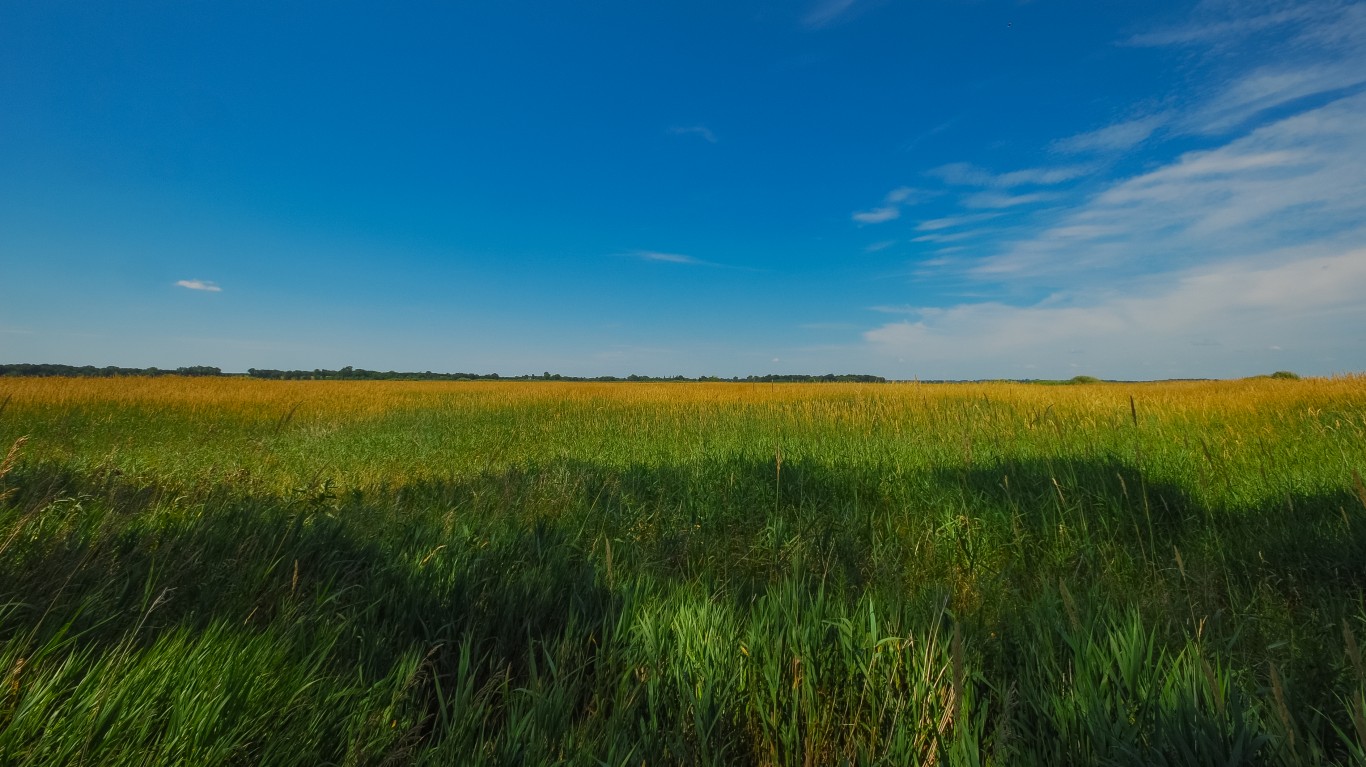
[349, 373]
[90, 371]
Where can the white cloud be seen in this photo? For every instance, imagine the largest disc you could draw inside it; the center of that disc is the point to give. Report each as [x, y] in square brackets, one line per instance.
[877, 215]
[1293, 182]
[951, 222]
[660, 257]
[961, 174]
[1041, 176]
[959, 236]
[900, 195]
[694, 130]
[1001, 200]
[211, 287]
[1210, 321]
[668, 258]
[890, 208]
[967, 174]
[1211, 25]
[883, 245]
[1112, 138]
[1341, 27]
[1271, 87]
[1265, 55]
[1220, 261]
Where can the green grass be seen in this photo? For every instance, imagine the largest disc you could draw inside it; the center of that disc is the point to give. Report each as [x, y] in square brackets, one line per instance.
[547, 574]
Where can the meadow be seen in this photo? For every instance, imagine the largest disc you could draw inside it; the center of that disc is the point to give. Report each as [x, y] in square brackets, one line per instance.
[230, 571]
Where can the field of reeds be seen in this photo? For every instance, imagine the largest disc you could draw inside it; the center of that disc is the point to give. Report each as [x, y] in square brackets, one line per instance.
[228, 571]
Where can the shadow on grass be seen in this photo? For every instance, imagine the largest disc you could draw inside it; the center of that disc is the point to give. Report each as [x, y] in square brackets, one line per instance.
[1318, 538]
[531, 565]
[741, 523]
[104, 560]
[513, 557]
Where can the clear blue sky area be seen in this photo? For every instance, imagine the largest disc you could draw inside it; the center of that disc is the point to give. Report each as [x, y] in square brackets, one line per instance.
[931, 189]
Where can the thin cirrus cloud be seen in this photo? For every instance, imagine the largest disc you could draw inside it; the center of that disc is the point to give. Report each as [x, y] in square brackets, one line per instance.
[878, 215]
[1233, 258]
[890, 209]
[700, 131]
[1293, 182]
[1117, 137]
[666, 258]
[1269, 88]
[967, 174]
[1003, 200]
[1210, 28]
[953, 222]
[948, 237]
[661, 257]
[1316, 49]
[1228, 254]
[204, 285]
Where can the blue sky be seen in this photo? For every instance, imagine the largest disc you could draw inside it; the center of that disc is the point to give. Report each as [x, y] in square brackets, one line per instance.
[911, 189]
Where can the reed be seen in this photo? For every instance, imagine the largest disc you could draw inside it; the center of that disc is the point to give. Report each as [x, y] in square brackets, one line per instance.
[225, 571]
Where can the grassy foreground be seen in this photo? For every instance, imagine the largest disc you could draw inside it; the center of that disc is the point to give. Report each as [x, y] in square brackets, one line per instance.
[226, 571]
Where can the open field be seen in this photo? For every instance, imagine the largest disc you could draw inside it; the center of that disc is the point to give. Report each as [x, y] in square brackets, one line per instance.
[230, 571]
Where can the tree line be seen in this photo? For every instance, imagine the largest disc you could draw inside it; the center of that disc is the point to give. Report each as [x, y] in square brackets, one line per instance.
[349, 373]
[90, 371]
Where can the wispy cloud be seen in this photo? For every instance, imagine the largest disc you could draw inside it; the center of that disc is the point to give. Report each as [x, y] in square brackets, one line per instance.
[967, 174]
[962, 174]
[1268, 88]
[1112, 138]
[1002, 200]
[694, 130]
[1304, 49]
[205, 285]
[890, 208]
[1296, 181]
[660, 257]
[949, 236]
[878, 215]
[1224, 253]
[1211, 24]
[826, 12]
[1232, 258]
[667, 258]
[883, 245]
[952, 222]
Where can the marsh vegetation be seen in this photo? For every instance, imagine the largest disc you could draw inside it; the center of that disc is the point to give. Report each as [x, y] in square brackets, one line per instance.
[233, 571]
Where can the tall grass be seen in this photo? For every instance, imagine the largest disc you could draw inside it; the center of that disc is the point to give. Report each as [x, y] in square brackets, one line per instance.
[220, 571]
